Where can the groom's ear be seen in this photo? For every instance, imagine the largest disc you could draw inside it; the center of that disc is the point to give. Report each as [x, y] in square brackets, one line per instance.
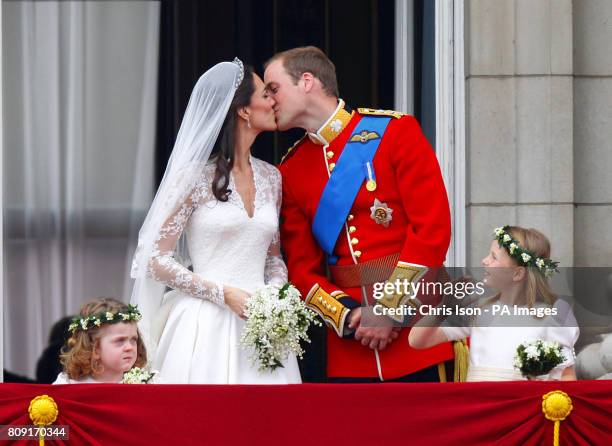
[309, 81]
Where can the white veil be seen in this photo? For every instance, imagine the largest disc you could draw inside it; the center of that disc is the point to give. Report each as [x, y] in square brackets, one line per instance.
[202, 122]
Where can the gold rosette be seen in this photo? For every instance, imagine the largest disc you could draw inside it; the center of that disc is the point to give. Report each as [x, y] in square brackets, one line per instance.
[43, 411]
[557, 406]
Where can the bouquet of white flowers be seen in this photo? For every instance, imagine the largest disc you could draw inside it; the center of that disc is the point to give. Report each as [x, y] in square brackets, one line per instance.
[277, 320]
[136, 375]
[535, 358]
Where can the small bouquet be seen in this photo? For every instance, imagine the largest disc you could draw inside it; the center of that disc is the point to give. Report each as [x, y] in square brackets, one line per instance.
[277, 320]
[136, 375]
[535, 358]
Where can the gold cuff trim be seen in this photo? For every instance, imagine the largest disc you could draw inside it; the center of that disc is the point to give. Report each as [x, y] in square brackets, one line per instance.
[328, 307]
[405, 273]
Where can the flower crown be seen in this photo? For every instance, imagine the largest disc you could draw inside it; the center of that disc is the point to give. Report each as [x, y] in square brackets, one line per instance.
[85, 323]
[522, 256]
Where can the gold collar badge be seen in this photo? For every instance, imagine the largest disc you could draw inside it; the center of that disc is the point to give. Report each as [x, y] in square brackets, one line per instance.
[381, 213]
[333, 126]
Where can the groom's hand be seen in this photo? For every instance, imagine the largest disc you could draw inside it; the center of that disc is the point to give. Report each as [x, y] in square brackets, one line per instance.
[354, 318]
[375, 337]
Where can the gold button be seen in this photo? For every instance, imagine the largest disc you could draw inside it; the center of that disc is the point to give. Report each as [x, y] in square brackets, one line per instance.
[334, 309]
[350, 217]
[331, 166]
[330, 154]
[357, 253]
[320, 298]
[354, 241]
[352, 229]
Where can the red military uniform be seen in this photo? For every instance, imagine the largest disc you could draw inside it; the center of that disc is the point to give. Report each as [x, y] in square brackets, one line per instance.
[415, 225]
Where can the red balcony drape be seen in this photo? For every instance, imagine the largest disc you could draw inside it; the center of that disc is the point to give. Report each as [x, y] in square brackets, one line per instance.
[319, 414]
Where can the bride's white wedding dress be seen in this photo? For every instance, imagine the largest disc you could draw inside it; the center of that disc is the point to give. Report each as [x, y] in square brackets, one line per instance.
[199, 341]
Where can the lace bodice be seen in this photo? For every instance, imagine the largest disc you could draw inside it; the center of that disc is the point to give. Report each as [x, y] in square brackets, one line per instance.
[225, 245]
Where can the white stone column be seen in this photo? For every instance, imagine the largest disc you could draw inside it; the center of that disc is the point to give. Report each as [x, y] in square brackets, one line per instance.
[404, 56]
[519, 101]
[593, 132]
[450, 118]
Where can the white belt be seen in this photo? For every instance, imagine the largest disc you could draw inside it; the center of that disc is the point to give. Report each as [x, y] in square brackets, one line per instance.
[483, 373]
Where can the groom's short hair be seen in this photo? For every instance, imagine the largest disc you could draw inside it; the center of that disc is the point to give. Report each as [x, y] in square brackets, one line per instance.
[311, 59]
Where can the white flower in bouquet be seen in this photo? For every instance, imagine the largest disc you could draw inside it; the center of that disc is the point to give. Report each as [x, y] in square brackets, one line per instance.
[532, 352]
[535, 358]
[136, 375]
[277, 320]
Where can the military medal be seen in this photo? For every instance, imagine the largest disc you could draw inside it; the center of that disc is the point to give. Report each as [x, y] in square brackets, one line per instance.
[381, 213]
[371, 183]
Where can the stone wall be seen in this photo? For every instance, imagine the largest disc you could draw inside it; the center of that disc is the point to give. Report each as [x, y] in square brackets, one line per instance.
[593, 132]
[539, 133]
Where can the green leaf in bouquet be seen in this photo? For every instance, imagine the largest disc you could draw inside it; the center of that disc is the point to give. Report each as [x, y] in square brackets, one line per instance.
[282, 293]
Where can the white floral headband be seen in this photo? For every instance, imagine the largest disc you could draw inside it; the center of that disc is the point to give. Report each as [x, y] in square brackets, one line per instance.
[522, 256]
[132, 314]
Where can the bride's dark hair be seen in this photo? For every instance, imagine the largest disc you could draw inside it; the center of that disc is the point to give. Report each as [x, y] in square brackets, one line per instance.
[223, 151]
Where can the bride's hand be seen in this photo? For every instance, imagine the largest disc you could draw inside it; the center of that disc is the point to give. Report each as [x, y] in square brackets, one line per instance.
[235, 298]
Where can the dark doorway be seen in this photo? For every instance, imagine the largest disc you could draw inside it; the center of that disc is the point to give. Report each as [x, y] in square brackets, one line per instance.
[358, 35]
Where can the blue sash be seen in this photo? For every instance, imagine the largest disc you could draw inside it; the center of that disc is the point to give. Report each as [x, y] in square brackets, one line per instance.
[345, 181]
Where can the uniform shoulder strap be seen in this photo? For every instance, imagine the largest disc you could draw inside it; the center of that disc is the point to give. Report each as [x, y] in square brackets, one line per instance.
[379, 112]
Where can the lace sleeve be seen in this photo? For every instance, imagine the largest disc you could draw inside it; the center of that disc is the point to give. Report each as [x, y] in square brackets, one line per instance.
[164, 268]
[275, 272]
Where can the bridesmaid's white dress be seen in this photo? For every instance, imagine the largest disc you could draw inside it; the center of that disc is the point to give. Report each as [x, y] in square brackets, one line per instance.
[494, 340]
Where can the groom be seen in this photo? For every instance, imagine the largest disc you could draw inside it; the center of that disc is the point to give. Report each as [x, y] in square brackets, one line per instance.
[363, 197]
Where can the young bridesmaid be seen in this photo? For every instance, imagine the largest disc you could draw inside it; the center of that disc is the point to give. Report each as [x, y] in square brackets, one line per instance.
[104, 345]
[517, 265]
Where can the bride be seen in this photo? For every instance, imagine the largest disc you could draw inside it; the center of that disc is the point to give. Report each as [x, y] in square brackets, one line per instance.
[217, 209]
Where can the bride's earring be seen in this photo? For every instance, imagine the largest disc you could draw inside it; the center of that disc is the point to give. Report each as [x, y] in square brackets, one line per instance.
[248, 122]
